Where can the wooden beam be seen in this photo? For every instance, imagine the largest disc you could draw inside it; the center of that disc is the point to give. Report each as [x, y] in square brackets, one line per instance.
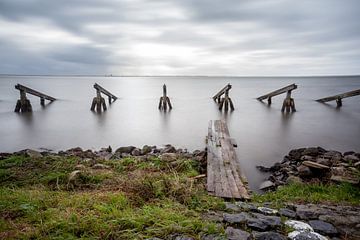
[340, 96]
[104, 91]
[34, 92]
[222, 91]
[277, 92]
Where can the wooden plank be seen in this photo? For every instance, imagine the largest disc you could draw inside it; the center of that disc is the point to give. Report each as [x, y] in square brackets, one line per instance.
[104, 91]
[340, 96]
[222, 91]
[277, 92]
[34, 92]
[224, 178]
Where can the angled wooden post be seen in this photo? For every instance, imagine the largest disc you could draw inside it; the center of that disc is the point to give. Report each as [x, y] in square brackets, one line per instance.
[23, 104]
[164, 100]
[338, 98]
[98, 102]
[226, 101]
[288, 103]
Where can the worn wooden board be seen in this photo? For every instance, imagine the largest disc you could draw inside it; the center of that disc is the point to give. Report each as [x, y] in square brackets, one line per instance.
[224, 176]
[340, 96]
[277, 92]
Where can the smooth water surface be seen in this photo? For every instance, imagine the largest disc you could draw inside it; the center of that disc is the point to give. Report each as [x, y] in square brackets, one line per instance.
[264, 135]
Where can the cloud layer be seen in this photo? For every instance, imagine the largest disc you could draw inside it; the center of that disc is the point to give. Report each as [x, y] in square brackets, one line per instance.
[180, 37]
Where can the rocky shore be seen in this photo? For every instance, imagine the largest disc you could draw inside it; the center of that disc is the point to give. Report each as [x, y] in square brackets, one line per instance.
[313, 165]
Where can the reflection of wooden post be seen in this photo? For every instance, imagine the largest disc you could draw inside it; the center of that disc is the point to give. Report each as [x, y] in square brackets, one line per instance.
[164, 100]
[226, 101]
[288, 103]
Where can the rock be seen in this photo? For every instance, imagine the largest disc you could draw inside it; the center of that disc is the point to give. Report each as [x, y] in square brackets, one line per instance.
[263, 168]
[324, 161]
[168, 157]
[213, 237]
[298, 225]
[305, 235]
[73, 175]
[308, 158]
[246, 206]
[168, 149]
[268, 211]
[311, 151]
[306, 212]
[262, 223]
[293, 179]
[323, 227]
[126, 150]
[296, 153]
[33, 154]
[232, 207]
[267, 185]
[349, 153]
[136, 152]
[268, 236]
[351, 158]
[80, 167]
[287, 213]
[345, 179]
[315, 165]
[100, 166]
[145, 150]
[237, 234]
[183, 237]
[236, 218]
[304, 171]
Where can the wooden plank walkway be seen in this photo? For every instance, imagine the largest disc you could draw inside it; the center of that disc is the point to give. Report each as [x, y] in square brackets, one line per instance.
[224, 177]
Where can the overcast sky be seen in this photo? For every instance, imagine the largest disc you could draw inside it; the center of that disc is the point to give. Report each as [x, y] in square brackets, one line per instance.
[180, 37]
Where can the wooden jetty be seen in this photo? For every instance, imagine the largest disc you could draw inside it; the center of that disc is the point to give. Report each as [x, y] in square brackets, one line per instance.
[224, 102]
[288, 103]
[338, 98]
[23, 104]
[224, 176]
[99, 101]
[164, 100]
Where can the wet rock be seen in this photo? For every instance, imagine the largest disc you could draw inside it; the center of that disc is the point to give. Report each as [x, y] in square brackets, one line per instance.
[287, 213]
[267, 185]
[237, 234]
[126, 150]
[168, 149]
[33, 154]
[236, 218]
[136, 152]
[305, 235]
[268, 236]
[323, 227]
[268, 211]
[100, 166]
[298, 225]
[304, 171]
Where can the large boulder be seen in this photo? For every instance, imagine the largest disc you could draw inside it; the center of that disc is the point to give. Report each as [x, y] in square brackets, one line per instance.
[237, 234]
[268, 236]
[126, 150]
[323, 227]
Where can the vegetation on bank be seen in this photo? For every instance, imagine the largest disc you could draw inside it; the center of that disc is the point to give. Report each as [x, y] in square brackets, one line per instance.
[67, 197]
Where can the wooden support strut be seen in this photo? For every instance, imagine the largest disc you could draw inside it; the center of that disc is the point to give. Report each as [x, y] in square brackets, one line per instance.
[226, 101]
[98, 102]
[164, 100]
[338, 98]
[288, 103]
[23, 104]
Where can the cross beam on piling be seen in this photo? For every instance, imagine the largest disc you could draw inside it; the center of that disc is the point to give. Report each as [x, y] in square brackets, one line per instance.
[226, 100]
[288, 103]
[224, 176]
[338, 98]
[23, 104]
[164, 100]
[98, 101]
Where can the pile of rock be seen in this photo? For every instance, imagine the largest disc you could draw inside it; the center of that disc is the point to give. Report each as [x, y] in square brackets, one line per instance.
[313, 164]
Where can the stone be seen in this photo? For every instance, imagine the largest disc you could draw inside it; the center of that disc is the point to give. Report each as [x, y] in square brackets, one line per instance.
[267, 185]
[183, 237]
[323, 227]
[311, 151]
[349, 153]
[246, 206]
[351, 159]
[345, 179]
[213, 237]
[168, 157]
[33, 154]
[293, 179]
[287, 213]
[315, 165]
[126, 150]
[146, 150]
[136, 152]
[305, 212]
[232, 207]
[268, 236]
[324, 161]
[307, 158]
[263, 168]
[237, 234]
[100, 166]
[304, 171]
[305, 235]
[236, 218]
[298, 225]
[268, 211]
[296, 153]
[262, 223]
[168, 149]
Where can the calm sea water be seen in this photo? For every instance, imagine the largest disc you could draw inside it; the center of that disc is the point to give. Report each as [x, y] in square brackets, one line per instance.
[264, 135]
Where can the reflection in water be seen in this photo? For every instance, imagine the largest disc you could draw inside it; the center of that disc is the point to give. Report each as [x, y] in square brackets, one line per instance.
[26, 118]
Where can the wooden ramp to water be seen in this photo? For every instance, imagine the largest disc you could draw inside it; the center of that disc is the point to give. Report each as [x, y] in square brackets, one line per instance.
[23, 104]
[338, 98]
[288, 103]
[224, 177]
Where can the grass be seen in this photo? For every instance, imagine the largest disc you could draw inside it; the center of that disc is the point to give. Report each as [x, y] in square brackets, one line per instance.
[312, 193]
[133, 198]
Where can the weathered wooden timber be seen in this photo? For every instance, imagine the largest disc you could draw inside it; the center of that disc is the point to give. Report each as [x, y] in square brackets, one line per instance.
[288, 103]
[23, 104]
[226, 100]
[338, 98]
[99, 101]
[164, 100]
[224, 176]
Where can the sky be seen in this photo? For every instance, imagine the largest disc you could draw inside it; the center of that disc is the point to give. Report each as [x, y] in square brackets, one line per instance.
[180, 37]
